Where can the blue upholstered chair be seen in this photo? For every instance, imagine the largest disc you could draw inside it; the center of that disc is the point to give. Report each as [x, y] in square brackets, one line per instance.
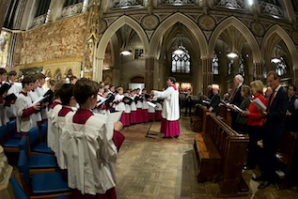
[36, 146]
[39, 162]
[18, 191]
[41, 185]
[8, 144]
[12, 130]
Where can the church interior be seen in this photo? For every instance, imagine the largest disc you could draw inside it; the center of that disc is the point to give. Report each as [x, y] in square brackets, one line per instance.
[139, 44]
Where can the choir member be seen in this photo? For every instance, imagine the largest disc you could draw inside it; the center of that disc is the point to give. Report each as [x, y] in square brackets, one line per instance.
[3, 94]
[171, 112]
[53, 115]
[151, 110]
[24, 107]
[68, 109]
[125, 119]
[36, 117]
[89, 148]
[40, 93]
[139, 105]
[11, 110]
[145, 106]
[133, 108]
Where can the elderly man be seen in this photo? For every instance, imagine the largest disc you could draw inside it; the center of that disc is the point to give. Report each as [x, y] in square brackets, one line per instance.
[236, 97]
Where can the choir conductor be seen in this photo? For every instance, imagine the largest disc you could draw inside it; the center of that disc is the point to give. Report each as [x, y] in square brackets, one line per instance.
[170, 112]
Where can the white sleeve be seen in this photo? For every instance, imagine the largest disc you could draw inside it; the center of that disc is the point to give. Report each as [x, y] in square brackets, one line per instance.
[163, 94]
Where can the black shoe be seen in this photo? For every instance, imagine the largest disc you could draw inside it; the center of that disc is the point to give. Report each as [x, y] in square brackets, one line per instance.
[177, 136]
[257, 178]
[248, 167]
[264, 184]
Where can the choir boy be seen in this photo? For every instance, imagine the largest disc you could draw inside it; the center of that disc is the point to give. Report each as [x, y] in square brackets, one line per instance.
[11, 110]
[145, 106]
[40, 92]
[68, 109]
[36, 117]
[24, 107]
[89, 148]
[3, 93]
[133, 108]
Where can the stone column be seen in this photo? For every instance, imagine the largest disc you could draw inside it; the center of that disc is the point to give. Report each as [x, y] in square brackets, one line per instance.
[4, 4]
[207, 73]
[149, 70]
[295, 76]
[258, 71]
[97, 69]
[116, 76]
[55, 10]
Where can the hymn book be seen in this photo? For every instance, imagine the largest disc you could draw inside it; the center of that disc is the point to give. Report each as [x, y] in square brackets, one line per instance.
[151, 104]
[257, 102]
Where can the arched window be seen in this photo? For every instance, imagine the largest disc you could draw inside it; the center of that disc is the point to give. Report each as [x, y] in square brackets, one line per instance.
[181, 62]
[42, 7]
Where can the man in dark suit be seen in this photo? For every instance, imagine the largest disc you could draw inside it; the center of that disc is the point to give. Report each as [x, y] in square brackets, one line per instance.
[292, 114]
[273, 128]
[236, 97]
[213, 106]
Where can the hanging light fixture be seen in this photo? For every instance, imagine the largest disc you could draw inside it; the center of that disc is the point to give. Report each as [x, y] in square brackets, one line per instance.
[275, 60]
[232, 55]
[179, 49]
[125, 50]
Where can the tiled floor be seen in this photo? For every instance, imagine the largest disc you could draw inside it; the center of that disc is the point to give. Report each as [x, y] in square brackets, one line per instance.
[166, 168]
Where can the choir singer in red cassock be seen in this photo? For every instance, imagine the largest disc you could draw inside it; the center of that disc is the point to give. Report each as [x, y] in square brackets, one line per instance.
[170, 112]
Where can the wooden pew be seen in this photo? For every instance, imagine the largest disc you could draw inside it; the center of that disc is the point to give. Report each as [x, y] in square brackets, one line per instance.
[197, 121]
[287, 159]
[231, 148]
[225, 113]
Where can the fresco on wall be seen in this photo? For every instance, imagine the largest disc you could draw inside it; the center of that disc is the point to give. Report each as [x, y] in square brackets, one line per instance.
[5, 38]
[31, 71]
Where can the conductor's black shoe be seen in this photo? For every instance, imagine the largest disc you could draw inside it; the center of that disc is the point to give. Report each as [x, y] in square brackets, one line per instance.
[166, 137]
[257, 178]
[264, 184]
[177, 136]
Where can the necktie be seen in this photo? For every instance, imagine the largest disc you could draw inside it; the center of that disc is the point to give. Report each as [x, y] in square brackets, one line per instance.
[233, 95]
[271, 100]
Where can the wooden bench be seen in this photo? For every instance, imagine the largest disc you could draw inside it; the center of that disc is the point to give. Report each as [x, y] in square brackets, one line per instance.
[225, 150]
[196, 123]
[287, 158]
[209, 159]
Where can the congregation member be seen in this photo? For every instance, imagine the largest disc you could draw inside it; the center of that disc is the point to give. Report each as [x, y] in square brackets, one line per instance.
[24, 107]
[91, 161]
[268, 92]
[292, 114]
[241, 121]
[255, 123]
[188, 103]
[213, 106]
[275, 116]
[171, 113]
[236, 97]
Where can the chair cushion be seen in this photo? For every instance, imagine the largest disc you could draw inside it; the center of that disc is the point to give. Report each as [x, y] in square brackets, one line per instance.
[11, 143]
[43, 148]
[42, 161]
[17, 189]
[16, 136]
[46, 183]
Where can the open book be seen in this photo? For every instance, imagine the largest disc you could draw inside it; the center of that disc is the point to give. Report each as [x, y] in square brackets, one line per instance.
[101, 101]
[257, 102]
[41, 99]
[206, 102]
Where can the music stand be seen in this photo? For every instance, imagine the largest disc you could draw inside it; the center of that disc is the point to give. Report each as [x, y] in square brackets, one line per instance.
[148, 131]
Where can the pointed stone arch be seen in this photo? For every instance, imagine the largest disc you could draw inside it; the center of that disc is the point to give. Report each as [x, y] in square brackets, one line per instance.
[276, 29]
[168, 23]
[251, 40]
[112, 29]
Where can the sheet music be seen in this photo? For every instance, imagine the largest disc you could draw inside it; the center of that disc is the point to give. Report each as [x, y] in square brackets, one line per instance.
[206, 102]
[237, 108]
[257, 102]
[114, 117]
[151, 104]
[101, 101]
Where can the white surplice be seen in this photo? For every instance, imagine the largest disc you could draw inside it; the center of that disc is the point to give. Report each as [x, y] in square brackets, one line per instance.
[170, 110]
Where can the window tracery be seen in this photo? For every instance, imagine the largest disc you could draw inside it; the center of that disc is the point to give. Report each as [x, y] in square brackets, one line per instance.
[181, 63]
